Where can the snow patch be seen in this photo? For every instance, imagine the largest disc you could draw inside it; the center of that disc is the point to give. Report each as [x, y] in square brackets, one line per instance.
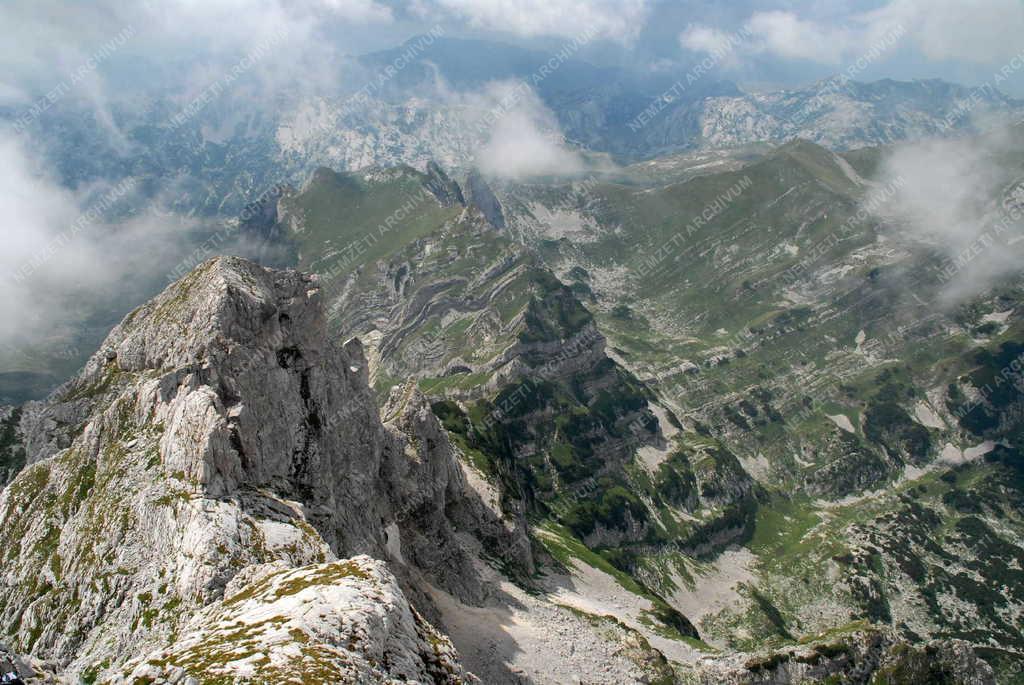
[926, 416]
[715, 586]
[843, 421]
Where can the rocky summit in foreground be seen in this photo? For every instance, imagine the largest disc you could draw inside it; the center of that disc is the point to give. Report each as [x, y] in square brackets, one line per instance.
[191, 498]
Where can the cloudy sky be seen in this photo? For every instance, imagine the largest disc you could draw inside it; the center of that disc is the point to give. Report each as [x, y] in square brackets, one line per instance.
[109, 57]
[782, 42]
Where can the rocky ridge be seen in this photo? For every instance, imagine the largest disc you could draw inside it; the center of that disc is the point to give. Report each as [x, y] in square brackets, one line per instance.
[220, 447]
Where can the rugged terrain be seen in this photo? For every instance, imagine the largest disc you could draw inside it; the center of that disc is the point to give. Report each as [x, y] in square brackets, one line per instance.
[820, 345]
[504, 349]
[199, 175]
[212, 467]
[711, 411]
[193, 501]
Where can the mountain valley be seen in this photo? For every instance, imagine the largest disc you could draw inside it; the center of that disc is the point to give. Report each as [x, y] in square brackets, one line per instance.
[659, 384]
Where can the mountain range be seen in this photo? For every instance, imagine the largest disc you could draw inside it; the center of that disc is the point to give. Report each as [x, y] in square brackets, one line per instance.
[709, 406]
[230, 154]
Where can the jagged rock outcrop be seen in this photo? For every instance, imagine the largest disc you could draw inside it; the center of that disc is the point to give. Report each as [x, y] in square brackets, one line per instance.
[30, 670]
[338, 622]
[12, 448]
[220, 429]
[479, 321]
[434, 501]
[445, 189]
[480, 196]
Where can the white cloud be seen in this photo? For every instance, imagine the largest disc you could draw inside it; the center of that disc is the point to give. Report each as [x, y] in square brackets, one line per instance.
[240, 22]
[12, 95]
[782, 34]
[524, 139]
[701, 38]
[983, 31]
[951, 198]
[618, 20]
[786, 35]
[519, 149]
[364, 11]
[723, 46]
[42, 48]
[37, 288]
[56, 269]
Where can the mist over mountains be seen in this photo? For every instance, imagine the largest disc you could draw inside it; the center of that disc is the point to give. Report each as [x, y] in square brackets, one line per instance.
[511, 112]
[459, 341]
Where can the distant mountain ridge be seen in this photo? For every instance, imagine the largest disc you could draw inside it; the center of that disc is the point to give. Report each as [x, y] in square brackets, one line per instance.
[227, 156]
[431, 109]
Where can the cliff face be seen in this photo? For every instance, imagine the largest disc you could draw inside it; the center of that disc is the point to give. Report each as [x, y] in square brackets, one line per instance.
[217, 431]
[12, 451]
[480, 195]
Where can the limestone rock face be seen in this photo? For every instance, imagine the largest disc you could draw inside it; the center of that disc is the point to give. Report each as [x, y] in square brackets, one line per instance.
[338, 622]
[480, 195]
[446, 190]
[219, 429]
[12, 448]
[435, 505]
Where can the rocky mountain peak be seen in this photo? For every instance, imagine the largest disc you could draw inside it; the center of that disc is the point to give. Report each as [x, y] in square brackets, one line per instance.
[218, 431]
[224, 304]
[480, 195]
[444, 188]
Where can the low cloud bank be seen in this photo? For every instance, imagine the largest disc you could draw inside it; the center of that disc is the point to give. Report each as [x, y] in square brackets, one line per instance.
[965, 199]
